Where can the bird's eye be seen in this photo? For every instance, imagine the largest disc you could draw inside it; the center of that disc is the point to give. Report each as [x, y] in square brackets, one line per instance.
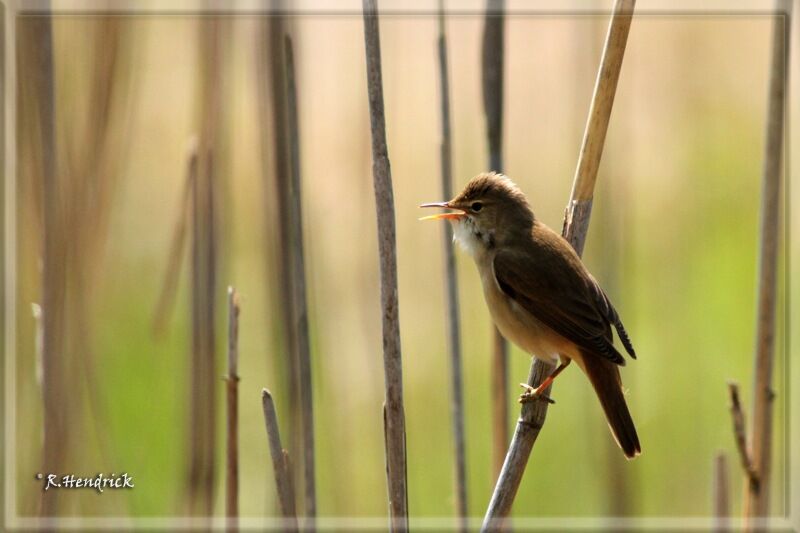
[476, 206]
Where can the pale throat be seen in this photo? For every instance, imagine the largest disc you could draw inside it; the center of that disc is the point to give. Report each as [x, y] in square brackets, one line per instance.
[474, 241]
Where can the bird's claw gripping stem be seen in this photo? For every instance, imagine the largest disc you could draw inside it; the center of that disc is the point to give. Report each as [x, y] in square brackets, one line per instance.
[533, 395]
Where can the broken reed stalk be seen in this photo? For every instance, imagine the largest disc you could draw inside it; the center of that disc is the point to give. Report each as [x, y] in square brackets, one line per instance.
[394, 415]
[299, 301]
[280, 182]
[740, 432]
[722, 501]
[451, 281]
[576, 225]
[492, 68]
[232, 386]
[280, 463]
[756, 504]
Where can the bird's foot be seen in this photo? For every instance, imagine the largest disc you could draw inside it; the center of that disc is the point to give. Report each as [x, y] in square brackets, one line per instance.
[533, 395]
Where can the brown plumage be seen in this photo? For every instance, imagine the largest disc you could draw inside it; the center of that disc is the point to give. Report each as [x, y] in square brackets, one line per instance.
[539, 293]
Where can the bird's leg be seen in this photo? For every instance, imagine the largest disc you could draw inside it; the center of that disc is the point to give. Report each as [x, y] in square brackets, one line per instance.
[533, 394]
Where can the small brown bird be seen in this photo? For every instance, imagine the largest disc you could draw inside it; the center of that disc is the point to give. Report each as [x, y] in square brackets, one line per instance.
[540, 295]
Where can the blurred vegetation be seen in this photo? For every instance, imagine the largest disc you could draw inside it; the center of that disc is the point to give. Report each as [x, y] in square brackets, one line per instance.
[673, 237]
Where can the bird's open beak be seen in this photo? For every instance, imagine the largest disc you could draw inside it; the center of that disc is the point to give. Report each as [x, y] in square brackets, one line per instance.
[455, 215]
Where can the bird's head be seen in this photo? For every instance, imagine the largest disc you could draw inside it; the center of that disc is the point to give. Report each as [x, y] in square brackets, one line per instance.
[490, 211]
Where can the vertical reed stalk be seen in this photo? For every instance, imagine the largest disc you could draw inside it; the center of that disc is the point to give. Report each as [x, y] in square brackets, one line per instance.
[756, 504]
[451, 281]
[37, 102]
[204, 264]
[299, 303]
[280, 188]
[74, 201]
[394, 415]
[200, 483]
[576, 225]
[280, 463]
[232, 388]
[493, 57]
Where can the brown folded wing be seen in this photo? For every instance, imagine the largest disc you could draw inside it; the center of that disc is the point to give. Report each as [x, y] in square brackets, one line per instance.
[559, 293]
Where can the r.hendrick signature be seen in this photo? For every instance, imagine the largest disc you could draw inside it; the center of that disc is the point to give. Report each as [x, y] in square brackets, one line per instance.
[98, 482]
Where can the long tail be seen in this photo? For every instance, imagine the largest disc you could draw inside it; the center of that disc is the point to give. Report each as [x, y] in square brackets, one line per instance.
[606, 381]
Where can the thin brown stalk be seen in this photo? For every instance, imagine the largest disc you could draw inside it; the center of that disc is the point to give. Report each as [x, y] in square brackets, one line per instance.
[722, 500]
[451, 281]
[37, 104]
[299, 303]
[232, 387]
[280, 463]
[493, 57]
[580, 207]
[394, 415]
[202, 468]
[200, 483]
[740, 433]
[756, 504]
[528, 426]
[70, 154]
[71, 167]
[576, 225]
[278, 180]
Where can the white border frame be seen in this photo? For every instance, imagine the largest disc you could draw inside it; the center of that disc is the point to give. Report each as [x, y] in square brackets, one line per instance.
[388, 7]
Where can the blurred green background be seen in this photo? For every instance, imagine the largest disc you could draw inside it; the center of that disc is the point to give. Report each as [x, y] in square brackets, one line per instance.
[673, 238]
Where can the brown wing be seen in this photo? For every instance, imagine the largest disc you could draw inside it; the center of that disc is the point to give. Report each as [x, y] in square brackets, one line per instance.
[556, 289]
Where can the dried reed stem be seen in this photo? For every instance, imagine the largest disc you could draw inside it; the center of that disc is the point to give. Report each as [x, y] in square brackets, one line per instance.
[202, 468]
[579, 207]
[722, 503]
[232, 386]
[280, 463]
[451, 281]
[299, 303]
[74, 196]
[756, 504]
[576, 225]
[274, 41]
[394, 416]
[37, 102]
[493, 56]
[200, 483]
[528, 426]
[740, 433]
